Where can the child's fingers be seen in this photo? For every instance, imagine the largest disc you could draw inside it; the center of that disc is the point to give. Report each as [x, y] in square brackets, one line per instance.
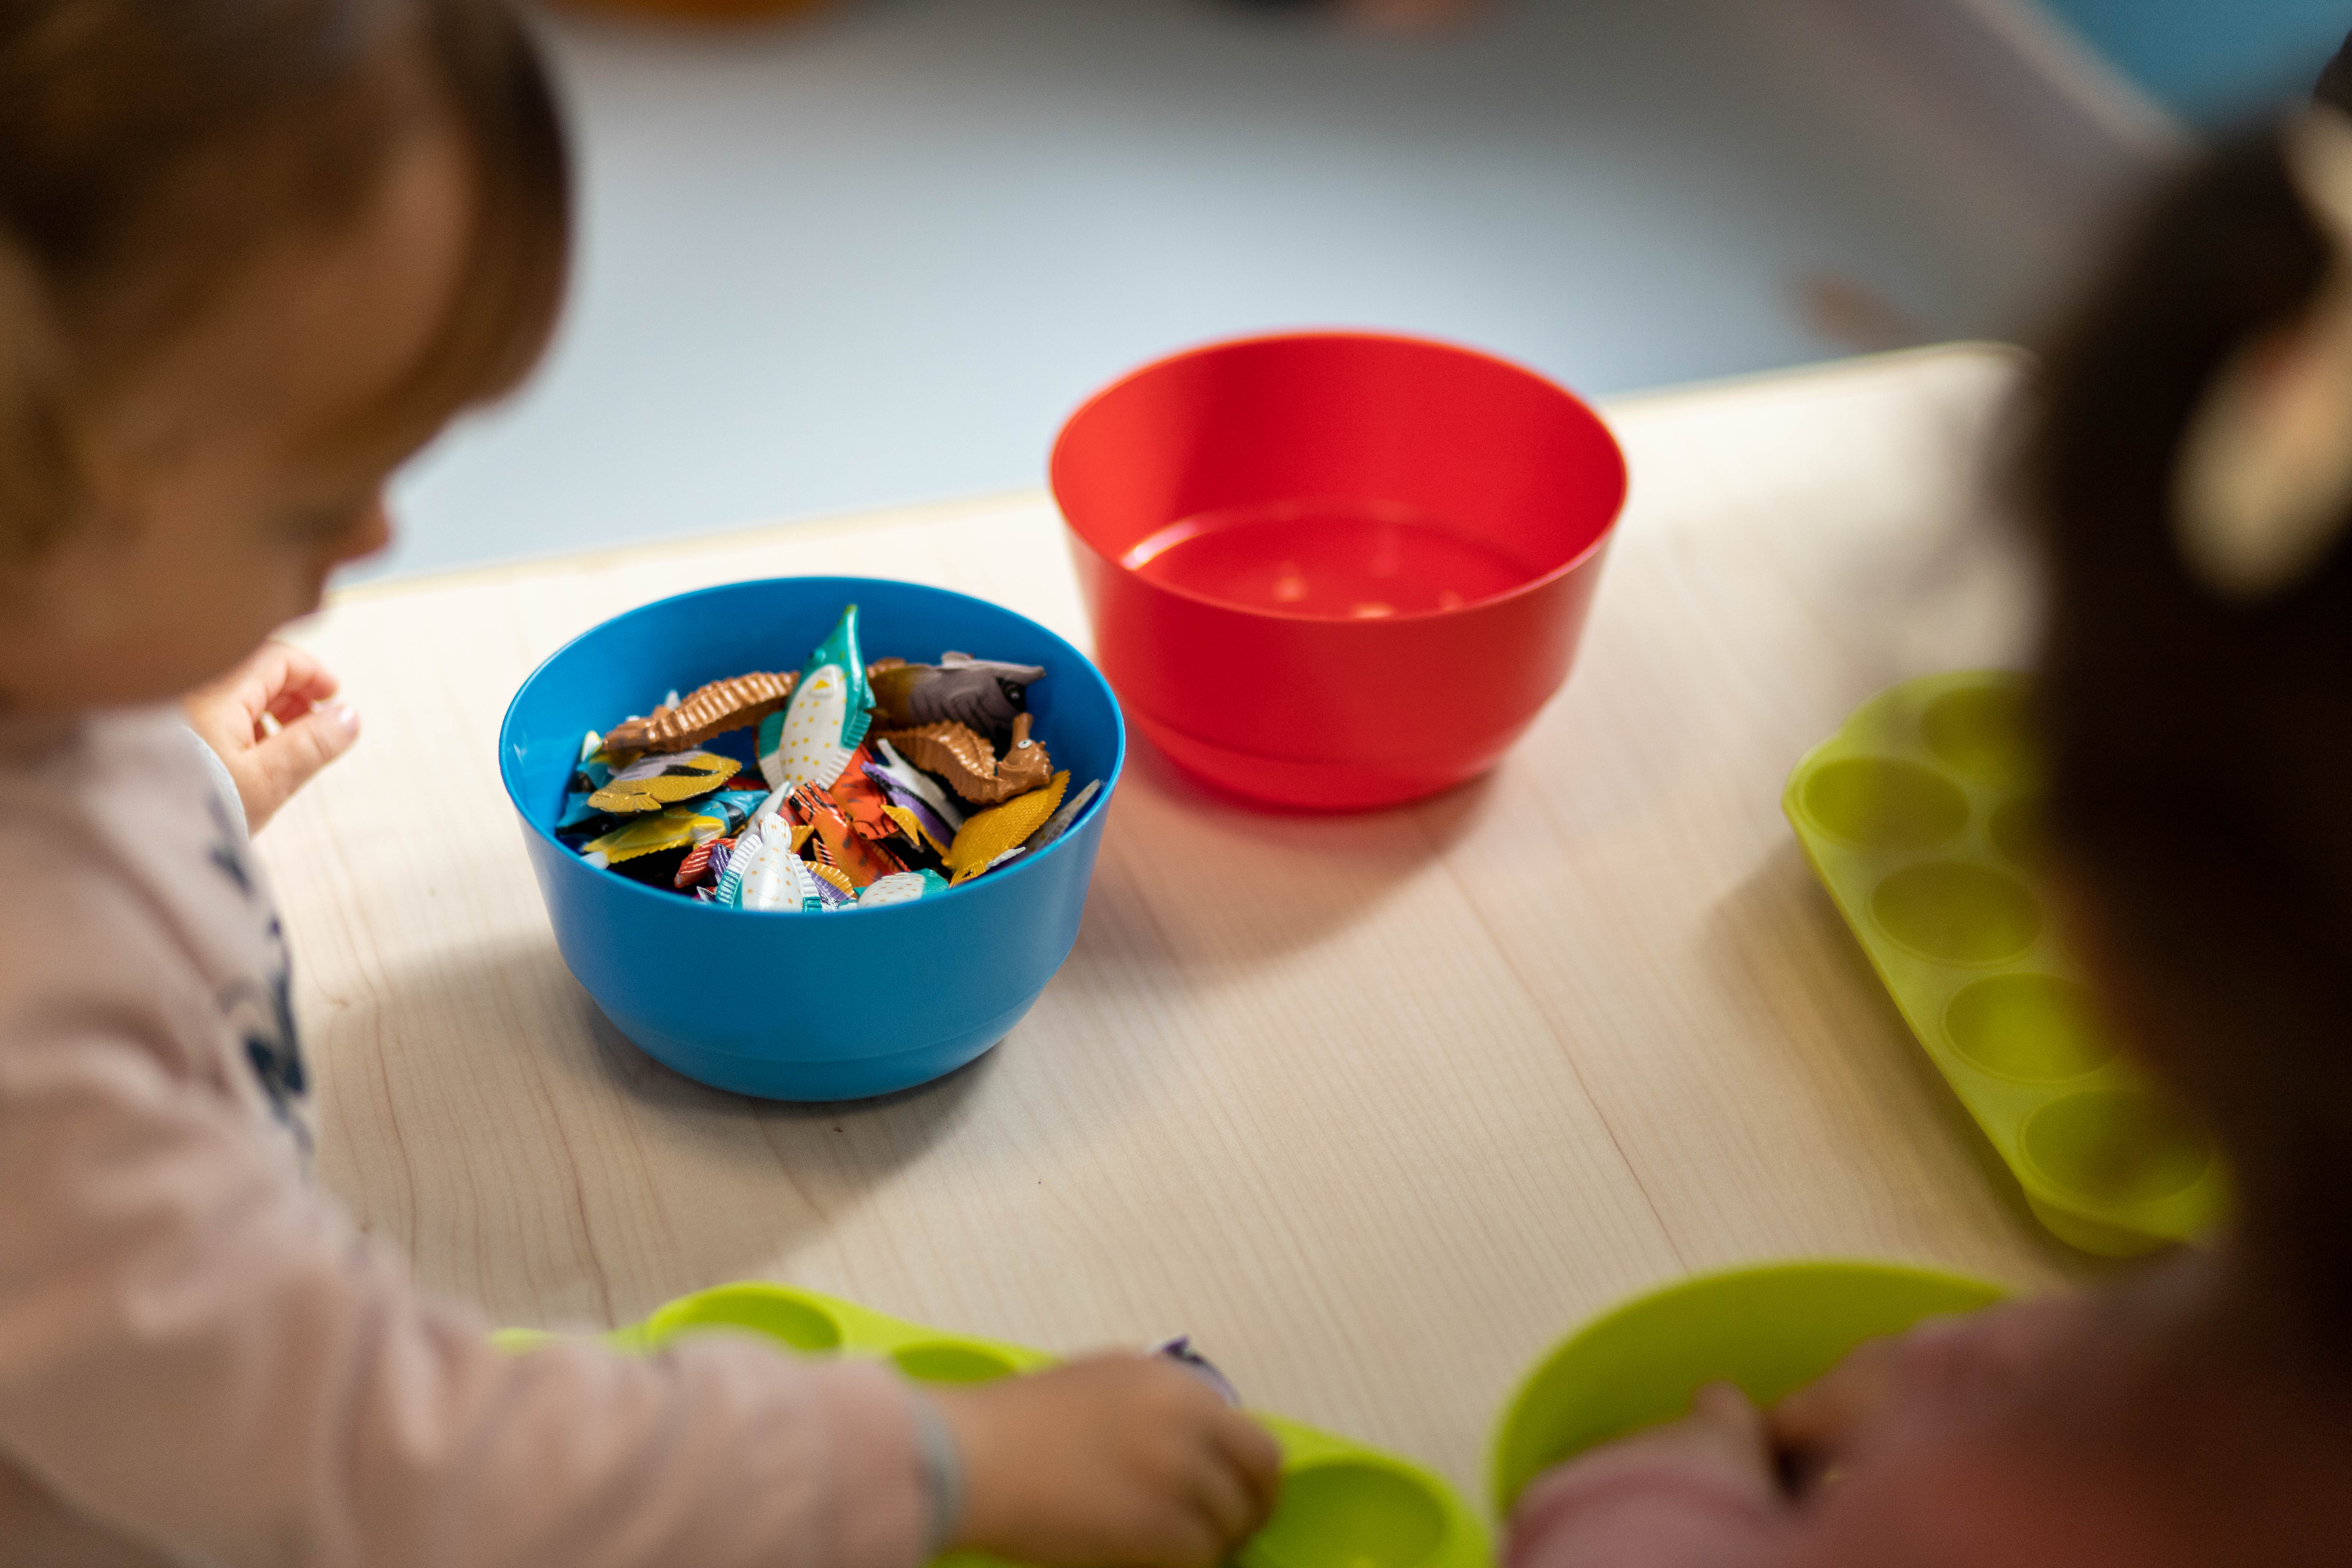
[293, 704]
[292, 757]
[1187, 1542]
[1256, 1460]
[1819, 1416]
[277, 680]
[1224, 1500]
[1725, 1406]
[290, 681]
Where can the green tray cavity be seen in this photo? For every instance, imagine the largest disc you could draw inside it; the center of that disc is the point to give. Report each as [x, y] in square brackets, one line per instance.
[1922, 818]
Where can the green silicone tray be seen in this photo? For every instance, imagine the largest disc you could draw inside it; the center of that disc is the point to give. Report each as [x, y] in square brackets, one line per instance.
[1921, 816]
[1343, 1505]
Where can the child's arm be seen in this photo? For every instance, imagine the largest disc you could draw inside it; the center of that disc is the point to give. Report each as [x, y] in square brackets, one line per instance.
[197, 1352]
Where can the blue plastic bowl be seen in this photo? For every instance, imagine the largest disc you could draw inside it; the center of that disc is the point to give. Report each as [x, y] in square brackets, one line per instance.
[806, 1006]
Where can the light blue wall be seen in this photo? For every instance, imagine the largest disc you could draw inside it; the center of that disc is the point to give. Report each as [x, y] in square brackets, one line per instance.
[2212, 61]
[879, 257]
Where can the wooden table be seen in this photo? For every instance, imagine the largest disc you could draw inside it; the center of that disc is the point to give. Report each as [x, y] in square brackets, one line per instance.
[1377, 1107]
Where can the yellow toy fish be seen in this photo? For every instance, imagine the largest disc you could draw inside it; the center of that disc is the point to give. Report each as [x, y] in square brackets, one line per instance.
[655, 782]
[987, 835]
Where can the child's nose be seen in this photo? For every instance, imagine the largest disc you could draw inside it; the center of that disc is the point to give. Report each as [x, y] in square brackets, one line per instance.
[370, 533]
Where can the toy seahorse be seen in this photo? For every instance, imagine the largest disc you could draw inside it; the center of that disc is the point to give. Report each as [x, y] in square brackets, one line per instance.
[708, 710]
[969, 765]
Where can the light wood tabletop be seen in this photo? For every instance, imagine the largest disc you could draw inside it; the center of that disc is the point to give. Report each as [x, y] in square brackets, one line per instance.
[1375, 1106]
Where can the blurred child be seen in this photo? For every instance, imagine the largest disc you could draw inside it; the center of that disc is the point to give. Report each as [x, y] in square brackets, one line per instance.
[252, 254]
[2190, 475]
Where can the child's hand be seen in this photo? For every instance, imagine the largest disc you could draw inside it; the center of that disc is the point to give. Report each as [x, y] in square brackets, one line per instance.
[1723, 1431]
[285, 685]
[1121, 1461]
[1816, 1427]
[1820, 1426]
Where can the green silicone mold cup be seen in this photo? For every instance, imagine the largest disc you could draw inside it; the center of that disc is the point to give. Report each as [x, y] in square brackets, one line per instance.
[2015, 829]
[1884, 805]
[1923, 818]
[1955, 912]
[1770, 1330]
[2032, 1028]
[1359, 1512]
[949, 1361]
[1980, 727]
[790, 1317]
[2117, 1146]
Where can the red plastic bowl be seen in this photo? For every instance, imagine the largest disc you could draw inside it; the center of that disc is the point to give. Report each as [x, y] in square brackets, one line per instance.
[1336, 570]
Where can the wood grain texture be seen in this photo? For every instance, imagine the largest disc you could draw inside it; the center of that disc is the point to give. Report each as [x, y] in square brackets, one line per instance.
[1375, 1106]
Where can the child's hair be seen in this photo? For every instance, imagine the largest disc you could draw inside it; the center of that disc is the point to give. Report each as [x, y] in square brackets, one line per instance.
[2200, 746]
[150, 148]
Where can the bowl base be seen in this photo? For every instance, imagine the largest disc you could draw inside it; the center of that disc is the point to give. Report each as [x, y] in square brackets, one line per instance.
[818, 1082]
[1311, 787]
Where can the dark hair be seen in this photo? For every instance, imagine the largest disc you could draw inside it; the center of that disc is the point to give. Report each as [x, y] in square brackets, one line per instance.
[2201, 748]
[148, 148]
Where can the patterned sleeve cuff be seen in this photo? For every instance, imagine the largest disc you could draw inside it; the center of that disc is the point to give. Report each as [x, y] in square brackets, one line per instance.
[942, 1467]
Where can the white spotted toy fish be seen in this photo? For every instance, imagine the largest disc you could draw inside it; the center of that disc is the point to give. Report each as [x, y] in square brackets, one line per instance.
[812, 740]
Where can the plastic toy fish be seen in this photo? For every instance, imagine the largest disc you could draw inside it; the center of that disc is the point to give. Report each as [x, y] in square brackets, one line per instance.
[861, 800]
[987, 835]
[750, 850]
[652, 783]
[917, 831]
[845, 816]
[833, 887]
[706, 862]
[592, 774]
[838, 842]
[902, 888]
[979, 693]
[1059, 823]
[814, 738]
[768, 875]
[673, 828]
[911, 786]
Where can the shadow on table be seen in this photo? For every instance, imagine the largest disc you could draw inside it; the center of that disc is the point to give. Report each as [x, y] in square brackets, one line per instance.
[804, 1167]
[486, 1115]
[1196, 879]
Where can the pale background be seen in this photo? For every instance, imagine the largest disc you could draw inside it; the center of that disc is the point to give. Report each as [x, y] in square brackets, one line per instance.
[876, 258]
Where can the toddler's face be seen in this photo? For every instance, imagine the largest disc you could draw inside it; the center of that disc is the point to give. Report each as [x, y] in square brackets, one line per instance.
[227, 484]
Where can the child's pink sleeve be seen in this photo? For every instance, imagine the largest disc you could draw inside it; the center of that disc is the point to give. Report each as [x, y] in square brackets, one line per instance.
[198, 1354]
[1638, 1504]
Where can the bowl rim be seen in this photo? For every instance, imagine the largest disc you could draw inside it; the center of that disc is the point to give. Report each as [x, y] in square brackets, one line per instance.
[1621, 470]
[672, 901]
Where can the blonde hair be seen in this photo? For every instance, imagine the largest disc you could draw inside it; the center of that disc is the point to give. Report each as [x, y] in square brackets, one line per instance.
[148, 149]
